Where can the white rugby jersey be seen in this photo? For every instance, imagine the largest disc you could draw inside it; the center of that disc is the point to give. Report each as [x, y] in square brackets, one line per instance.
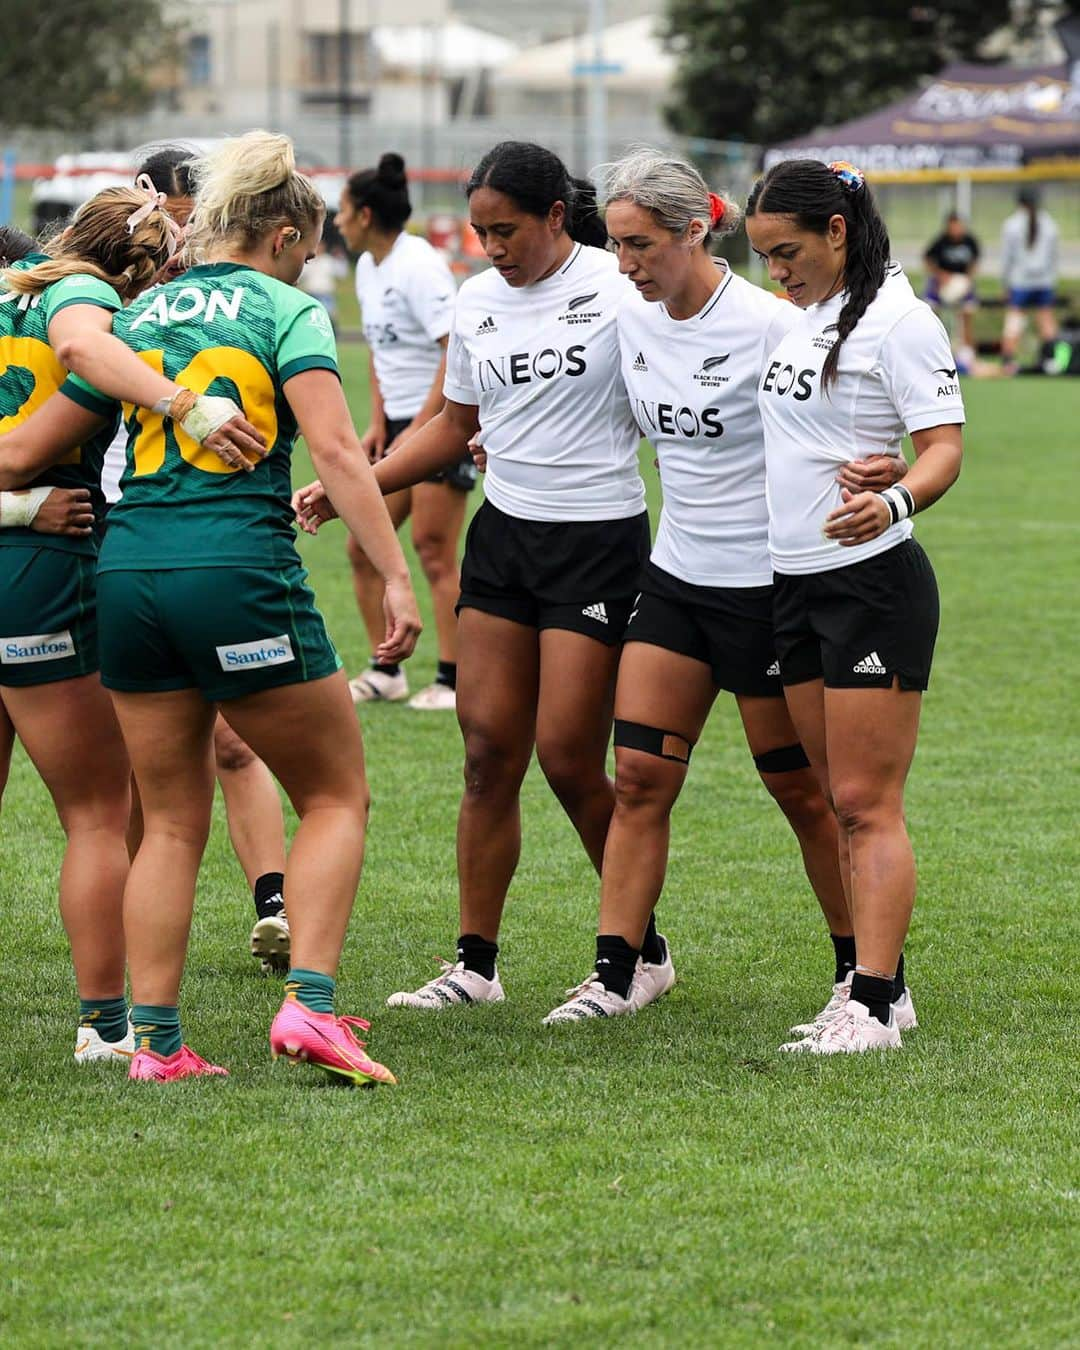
[693, 392]
[541, 364]
[897, 374]
[407, 307]
[114, 464]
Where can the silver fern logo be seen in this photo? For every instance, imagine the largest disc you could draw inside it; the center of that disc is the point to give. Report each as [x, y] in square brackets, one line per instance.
[708, 375]
[576, 311]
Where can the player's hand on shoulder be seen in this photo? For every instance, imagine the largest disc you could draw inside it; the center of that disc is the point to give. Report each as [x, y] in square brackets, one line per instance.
[872, 473]
[312, 507]
[65, 511]
[403, 625]
[863, 516]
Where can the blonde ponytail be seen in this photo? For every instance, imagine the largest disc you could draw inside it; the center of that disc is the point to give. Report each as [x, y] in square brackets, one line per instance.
[247, 187]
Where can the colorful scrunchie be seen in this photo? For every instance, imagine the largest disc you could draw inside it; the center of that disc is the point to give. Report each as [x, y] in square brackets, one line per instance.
[850, 177]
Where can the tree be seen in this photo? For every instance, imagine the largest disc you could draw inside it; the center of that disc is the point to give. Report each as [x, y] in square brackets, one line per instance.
[67, 64]
[764, 72]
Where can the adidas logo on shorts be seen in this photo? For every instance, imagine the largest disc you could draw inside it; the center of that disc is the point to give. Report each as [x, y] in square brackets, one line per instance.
[488, 326]
[640, 363]
[869, 665]
[774, 669]
[597, 612]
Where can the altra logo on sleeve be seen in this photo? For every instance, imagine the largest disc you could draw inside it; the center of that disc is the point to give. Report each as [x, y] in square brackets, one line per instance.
[17, 651]
[273, 651]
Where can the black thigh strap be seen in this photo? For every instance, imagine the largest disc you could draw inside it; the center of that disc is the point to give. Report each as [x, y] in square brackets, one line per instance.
[652, 741]
[782, 760]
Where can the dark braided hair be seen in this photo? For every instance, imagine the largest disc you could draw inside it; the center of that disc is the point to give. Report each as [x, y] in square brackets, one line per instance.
[14, 245]
[535, 179]
[812, 193]
[385, 190]
[169, 168]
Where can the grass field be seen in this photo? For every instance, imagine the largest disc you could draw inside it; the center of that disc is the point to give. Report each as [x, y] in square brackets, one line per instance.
[663, 1180]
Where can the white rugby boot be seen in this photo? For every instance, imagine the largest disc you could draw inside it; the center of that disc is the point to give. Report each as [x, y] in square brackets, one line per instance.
[454, 987]
[375, 686]
[434, 698]
[91, 1049]
[852, 1031]
[652, 980]
[903, 1009]
[591, 999]
[271, 943]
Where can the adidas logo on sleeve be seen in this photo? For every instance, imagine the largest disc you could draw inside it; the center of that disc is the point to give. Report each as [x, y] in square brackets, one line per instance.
[869, 665]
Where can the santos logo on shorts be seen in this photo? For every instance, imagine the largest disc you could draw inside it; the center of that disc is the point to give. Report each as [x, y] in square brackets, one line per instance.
[17, 651]
[274, 651]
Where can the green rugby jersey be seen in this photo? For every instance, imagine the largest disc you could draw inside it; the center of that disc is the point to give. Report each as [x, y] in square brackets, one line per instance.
[227, 330]
[30, 373]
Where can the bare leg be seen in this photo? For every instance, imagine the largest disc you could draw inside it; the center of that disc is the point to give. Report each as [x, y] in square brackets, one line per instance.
[7, 742]
[498, 680]
[438, 513]
[309, 737]
[672, 693]
[367, 584]
[72, 737]
[573, 727]
[169, 737]
[252, 805]
[798, 794]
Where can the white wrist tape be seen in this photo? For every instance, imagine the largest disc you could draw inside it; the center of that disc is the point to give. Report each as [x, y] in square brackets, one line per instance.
[209, 415]
[900, 502]
[21, 508]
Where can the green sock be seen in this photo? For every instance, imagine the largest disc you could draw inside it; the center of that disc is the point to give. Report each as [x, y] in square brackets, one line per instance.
[313, 990]
[107, 1016]
[157, 1028]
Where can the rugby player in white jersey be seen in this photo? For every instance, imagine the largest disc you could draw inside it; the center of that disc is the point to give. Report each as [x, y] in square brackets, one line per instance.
[406, 293]
[855, 603]
[553, 556]
[693, 337]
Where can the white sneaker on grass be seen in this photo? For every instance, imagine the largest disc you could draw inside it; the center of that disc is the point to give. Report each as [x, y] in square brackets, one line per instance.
[454, 987]
[271, 943]
[652, 980]
[591, 999]
[851, 1031]
[435, 698]
[90, 1048]
[375, 686]
[903, 1009]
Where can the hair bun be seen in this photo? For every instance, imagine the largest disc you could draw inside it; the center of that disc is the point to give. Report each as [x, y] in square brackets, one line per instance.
[391, 170]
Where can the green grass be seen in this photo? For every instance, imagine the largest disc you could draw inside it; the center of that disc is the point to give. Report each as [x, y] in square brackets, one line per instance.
[665, 1180]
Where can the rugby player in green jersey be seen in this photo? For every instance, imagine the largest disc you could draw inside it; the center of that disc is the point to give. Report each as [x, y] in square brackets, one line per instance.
[55, 311]
[203, 599]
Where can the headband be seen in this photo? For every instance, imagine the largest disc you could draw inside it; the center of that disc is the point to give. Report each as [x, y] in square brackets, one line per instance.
[851, 179]
[716, 209]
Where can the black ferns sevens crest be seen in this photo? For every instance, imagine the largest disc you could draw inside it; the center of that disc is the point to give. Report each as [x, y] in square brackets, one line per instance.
[709, 372]
[576, 311]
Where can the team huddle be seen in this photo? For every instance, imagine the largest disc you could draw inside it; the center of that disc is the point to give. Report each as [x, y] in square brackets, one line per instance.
[783, 571]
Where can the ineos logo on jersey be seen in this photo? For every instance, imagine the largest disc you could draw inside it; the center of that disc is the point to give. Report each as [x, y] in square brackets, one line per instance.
[379, 334]
[951, 388]
[668, 420]
[524, 367]
[708, 376]
[783, 379]
[576, 312]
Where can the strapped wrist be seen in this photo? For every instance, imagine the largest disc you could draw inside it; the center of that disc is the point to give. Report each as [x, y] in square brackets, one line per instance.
[900, 502]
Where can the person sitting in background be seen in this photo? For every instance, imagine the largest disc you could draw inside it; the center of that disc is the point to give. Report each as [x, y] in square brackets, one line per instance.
[1029, 263]
[950, 262]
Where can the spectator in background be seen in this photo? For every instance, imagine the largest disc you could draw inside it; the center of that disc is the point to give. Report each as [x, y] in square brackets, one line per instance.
[1029, 263]
[950, 263]
[320, 278]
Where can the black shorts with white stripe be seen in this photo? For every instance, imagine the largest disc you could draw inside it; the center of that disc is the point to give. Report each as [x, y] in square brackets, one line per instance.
[862, 626]
[577, 576]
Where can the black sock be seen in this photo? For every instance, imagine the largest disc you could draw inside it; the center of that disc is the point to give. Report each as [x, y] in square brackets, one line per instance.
[447, 674]
[478, 954]
[844, 947]
[386, 670]
[874, 993]
[615, 963]
[652, 945]
[898, 983]
[268, 894]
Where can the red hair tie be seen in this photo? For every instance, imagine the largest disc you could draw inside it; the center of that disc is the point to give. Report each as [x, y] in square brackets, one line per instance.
[716, 209]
